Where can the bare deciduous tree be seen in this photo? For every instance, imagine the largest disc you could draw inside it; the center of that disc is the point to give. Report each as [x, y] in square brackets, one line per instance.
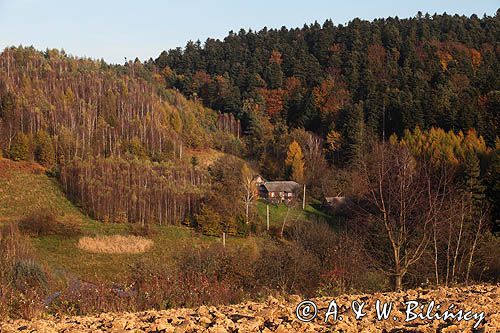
[249, 190]
[399, 208]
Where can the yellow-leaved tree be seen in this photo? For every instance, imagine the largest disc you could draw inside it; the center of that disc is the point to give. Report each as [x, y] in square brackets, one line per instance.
[295, 162]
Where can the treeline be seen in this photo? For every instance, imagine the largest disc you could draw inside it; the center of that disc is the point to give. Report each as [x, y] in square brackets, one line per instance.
[138, 191]
[338, 89]
[89, 108]
[472, 168]
[426, 71]
[110, 133]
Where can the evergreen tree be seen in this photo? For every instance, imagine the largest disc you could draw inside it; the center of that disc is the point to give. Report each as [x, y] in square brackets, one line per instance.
[431, 71]
[471, 183]
[493, 189]
[354, 133]
[209, 221]
[20, 149]
[44, 149]
[274, 76]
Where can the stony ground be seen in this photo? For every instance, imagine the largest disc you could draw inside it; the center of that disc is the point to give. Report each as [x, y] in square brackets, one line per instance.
[279, 315]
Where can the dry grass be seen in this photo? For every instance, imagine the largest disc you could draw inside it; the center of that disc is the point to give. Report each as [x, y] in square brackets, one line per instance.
[116, 244]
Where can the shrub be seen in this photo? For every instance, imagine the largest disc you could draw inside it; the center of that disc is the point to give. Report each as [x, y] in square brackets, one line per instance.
[44, 222]
[489, 258]
[27, 274]
[318, 238]
[345, 267]
[4, 297]
[202, 275]
[22, 281]
[83, 298]
[146, 230]
[286, 267]
[20, 148]
[242, 228]
[228, 143]
[209, 221]
[44, 149]
[13, 246]
[275, 231]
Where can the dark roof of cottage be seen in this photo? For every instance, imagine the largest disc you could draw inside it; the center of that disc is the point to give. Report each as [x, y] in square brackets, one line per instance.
[281, 186]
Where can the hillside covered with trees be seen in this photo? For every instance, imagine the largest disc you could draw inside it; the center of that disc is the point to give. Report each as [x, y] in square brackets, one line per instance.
[347, 85]
[391, 74]
[87, 122]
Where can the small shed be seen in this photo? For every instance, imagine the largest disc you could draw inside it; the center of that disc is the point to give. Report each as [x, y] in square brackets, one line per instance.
[336, 204]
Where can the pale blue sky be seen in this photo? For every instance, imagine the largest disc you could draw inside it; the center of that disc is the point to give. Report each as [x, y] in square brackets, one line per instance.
[113, 29]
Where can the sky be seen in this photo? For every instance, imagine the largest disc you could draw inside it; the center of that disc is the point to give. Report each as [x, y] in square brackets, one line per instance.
[113, 30]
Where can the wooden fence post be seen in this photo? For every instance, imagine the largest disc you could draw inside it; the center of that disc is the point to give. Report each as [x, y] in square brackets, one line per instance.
[304, 198]
[267, 216]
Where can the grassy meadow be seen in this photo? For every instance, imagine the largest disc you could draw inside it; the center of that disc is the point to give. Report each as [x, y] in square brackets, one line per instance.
[24, 187]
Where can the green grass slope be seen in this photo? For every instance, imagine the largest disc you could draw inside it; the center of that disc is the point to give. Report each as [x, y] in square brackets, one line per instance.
[24, 187]
[292, 214]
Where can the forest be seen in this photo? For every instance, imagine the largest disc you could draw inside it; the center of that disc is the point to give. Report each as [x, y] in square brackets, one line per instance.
[348, 85]
[426, 71]
[401, 116]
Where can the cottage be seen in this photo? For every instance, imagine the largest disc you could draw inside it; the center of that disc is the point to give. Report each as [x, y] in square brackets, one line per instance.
[279, 191]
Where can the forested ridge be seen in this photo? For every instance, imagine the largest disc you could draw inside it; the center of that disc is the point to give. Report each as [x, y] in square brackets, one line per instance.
[337, 88]
[425, 71]
[96, 109]
[88, 121]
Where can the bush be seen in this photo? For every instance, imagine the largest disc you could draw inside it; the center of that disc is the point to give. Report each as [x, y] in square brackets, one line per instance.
[83, 298]
[13, 246]
[20, 148]
[228, 144]
[44, 149]
[345, 267]
[22, 281]
[201, 275]
[318, 238]
[44, 222]
[286, 267]
[489, 258]
[242, 228]
[146, 230]
[209, 222]
[27, 274]
[275, 231]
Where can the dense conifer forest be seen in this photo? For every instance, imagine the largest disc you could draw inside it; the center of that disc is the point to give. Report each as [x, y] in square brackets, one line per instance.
[425, 71]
